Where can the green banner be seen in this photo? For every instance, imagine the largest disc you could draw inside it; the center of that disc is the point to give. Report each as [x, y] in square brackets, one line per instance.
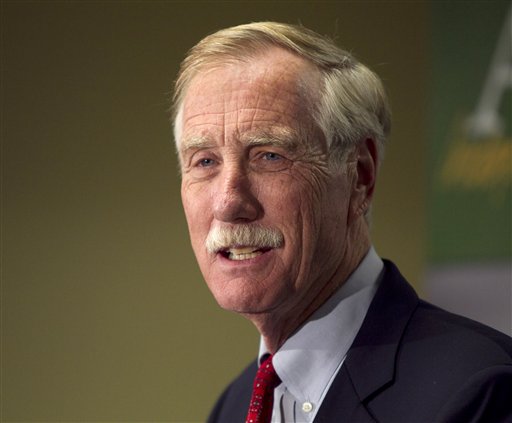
[470, 140]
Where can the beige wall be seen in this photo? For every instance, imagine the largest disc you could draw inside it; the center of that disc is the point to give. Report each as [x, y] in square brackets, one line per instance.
[104, 314]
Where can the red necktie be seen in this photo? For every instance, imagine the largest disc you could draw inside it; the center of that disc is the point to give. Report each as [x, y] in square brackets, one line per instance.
[260, 407]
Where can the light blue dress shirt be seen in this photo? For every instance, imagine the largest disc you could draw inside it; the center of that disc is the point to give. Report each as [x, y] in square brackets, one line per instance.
[309, 360]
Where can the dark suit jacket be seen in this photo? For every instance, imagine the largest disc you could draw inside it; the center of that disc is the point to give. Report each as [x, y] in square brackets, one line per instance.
[410, 362]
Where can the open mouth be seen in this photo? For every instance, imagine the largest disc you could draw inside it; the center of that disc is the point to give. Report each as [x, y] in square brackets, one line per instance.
[243, 253]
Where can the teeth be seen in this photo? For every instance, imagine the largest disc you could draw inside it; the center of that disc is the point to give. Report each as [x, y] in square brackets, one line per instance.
[243, 250]
[244, 253]
[245, 256]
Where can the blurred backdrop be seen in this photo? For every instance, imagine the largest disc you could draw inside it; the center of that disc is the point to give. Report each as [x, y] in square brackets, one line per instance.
[104, 314]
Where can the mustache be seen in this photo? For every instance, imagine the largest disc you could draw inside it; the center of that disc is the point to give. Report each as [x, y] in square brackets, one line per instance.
[220, 237]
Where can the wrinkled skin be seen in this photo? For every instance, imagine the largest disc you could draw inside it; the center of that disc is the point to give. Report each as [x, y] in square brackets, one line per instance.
[251, 153]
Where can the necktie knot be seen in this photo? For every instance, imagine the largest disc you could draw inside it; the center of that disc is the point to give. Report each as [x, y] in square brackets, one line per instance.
[260, 407]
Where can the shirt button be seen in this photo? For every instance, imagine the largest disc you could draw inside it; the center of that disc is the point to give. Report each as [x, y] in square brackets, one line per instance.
[307, 407]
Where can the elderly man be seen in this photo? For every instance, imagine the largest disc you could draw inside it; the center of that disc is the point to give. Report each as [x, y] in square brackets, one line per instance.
[280, 134]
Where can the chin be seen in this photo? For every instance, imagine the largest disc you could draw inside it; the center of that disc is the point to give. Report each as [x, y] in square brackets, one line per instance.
[238, 302]
[235, 304]
[247, 295]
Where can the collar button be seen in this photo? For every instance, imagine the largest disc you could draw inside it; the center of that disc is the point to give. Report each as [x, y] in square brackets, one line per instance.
[307, 407]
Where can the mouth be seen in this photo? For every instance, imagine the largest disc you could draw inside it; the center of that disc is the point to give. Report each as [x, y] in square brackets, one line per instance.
[243, 253]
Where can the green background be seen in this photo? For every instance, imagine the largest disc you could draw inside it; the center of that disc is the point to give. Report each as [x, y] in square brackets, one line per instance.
[467, 223]
[104, 315]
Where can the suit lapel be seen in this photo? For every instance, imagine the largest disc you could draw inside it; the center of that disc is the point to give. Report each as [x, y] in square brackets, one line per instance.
[342, 403]
[370, 362]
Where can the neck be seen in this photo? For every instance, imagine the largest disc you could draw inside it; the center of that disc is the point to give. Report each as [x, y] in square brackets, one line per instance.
[277, 326]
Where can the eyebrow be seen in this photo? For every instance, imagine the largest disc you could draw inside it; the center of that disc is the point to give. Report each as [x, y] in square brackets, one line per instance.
[195, 143]
[280, 137]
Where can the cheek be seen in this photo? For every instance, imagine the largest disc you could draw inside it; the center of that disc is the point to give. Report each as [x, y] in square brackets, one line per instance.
[294, 200]
[195, 207]
[323, 206]
[308, 198]
[293, 204]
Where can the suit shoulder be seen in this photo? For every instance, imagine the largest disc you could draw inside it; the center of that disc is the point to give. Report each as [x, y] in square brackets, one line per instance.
[455, 333]
[485, 397]
[450, 368]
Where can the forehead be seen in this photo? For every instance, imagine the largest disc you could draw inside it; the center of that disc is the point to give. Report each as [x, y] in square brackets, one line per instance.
[276, 89]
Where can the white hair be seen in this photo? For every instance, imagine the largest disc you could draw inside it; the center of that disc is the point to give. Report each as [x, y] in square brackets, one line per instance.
[352, 105]
[243, 235]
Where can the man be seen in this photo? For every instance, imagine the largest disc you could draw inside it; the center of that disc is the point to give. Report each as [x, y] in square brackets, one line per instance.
[280, 135]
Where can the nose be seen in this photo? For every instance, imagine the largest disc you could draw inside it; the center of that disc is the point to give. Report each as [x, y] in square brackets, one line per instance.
[235, 200]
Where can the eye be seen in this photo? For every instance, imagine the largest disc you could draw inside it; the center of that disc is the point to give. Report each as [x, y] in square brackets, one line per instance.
[269, 161]
[206, 162]
[271, 156]
[203, 164]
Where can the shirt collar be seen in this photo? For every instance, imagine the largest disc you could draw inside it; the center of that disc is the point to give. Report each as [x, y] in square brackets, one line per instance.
[308, 360]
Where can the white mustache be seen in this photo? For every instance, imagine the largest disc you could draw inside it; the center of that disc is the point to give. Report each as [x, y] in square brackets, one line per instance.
[221, 238]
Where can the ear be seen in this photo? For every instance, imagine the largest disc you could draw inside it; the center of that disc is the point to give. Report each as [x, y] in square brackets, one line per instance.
[364, 180]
